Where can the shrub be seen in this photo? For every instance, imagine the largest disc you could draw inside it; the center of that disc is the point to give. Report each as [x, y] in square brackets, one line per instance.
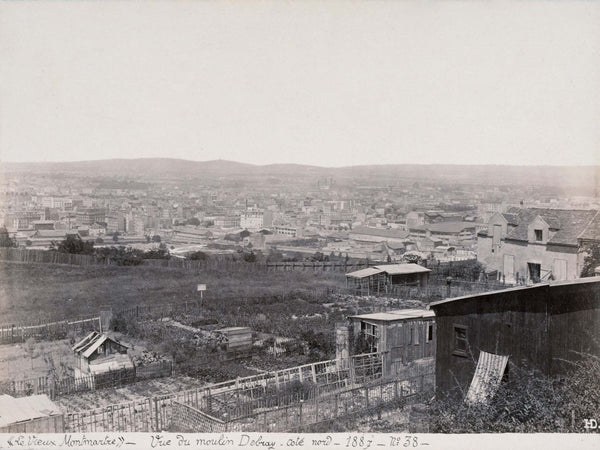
[528, 403]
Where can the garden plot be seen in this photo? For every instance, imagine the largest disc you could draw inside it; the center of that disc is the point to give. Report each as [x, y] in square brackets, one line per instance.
[35, 359]
[84, 401]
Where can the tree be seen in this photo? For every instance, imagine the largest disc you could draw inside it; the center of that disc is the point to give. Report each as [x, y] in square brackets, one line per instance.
[198, 256]
[5, 239]
[411, 258]
[249, 257]
[73, 244]
[591, 260]
[193, 221]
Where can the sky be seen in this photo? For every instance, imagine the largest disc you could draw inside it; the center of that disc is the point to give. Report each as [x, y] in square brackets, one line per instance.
[333, 83]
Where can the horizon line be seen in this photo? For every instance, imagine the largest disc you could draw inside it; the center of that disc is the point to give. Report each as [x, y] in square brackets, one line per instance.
[295, 164]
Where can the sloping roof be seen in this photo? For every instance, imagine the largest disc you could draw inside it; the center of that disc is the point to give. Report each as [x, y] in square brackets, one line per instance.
[85, 342]
[369, 271]
[512, 219]
[401, 269]
[14, 410]
[488, 375]
[568, 223]
[89, 344]
[396, 315]
[484, 294]
[516, 288]
[592, 231]
[380, 232]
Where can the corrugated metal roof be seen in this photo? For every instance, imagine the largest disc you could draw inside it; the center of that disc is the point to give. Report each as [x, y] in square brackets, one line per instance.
[401, 269]
[398, 314]
[488, 375]
[14, 410]
[364, 272]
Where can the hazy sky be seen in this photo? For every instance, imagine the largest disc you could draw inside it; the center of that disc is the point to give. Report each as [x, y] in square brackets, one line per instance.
[326, 83]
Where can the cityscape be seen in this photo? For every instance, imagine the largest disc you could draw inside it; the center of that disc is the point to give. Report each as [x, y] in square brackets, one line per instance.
[299, 224]
[317, 291]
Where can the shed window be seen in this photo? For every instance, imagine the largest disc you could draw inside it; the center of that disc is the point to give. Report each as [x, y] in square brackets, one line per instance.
[430, 332]
[538, 235]
[460, 340]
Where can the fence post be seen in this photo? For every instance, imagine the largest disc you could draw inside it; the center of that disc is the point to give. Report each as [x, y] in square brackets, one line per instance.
[156, 414]
[335, 414]
[367, 397]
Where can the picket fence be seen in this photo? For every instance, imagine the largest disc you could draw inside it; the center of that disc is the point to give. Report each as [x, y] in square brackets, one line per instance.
[114, 379]
[239, 397]
[14, 333]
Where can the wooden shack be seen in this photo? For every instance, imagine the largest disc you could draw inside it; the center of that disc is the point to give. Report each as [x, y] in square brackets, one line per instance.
[540, 328]
[237, 339]
[405, 335]
[33, 414]
[99, 353]
[381, 279]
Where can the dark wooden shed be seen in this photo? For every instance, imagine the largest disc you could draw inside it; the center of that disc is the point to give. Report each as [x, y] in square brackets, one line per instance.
[538, 328]
[380, 279]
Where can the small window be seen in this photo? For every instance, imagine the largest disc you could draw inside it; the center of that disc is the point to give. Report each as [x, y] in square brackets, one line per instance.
[460, 340]
[414, 335]
[429, 332]
[538, 235]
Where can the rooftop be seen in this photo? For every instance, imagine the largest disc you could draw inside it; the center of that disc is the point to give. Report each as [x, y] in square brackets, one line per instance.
[397, 269]
[381, 232]
[399, 314]
[569, 224]
[15, 410]
[518, 288]
[89, 344]
[445, 227]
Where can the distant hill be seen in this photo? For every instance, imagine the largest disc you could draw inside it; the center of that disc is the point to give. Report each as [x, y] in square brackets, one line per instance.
[477, 174]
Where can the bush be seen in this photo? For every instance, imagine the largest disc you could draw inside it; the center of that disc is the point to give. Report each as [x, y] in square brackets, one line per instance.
[198, 256]
[526, 404]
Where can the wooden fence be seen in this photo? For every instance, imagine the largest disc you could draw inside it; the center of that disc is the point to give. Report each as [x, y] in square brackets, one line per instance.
[70, 385]
[317, 266]
[52, 257]
[13, 333]
[300, 415]
[154, 414]
[49, 257]
[439, 290]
